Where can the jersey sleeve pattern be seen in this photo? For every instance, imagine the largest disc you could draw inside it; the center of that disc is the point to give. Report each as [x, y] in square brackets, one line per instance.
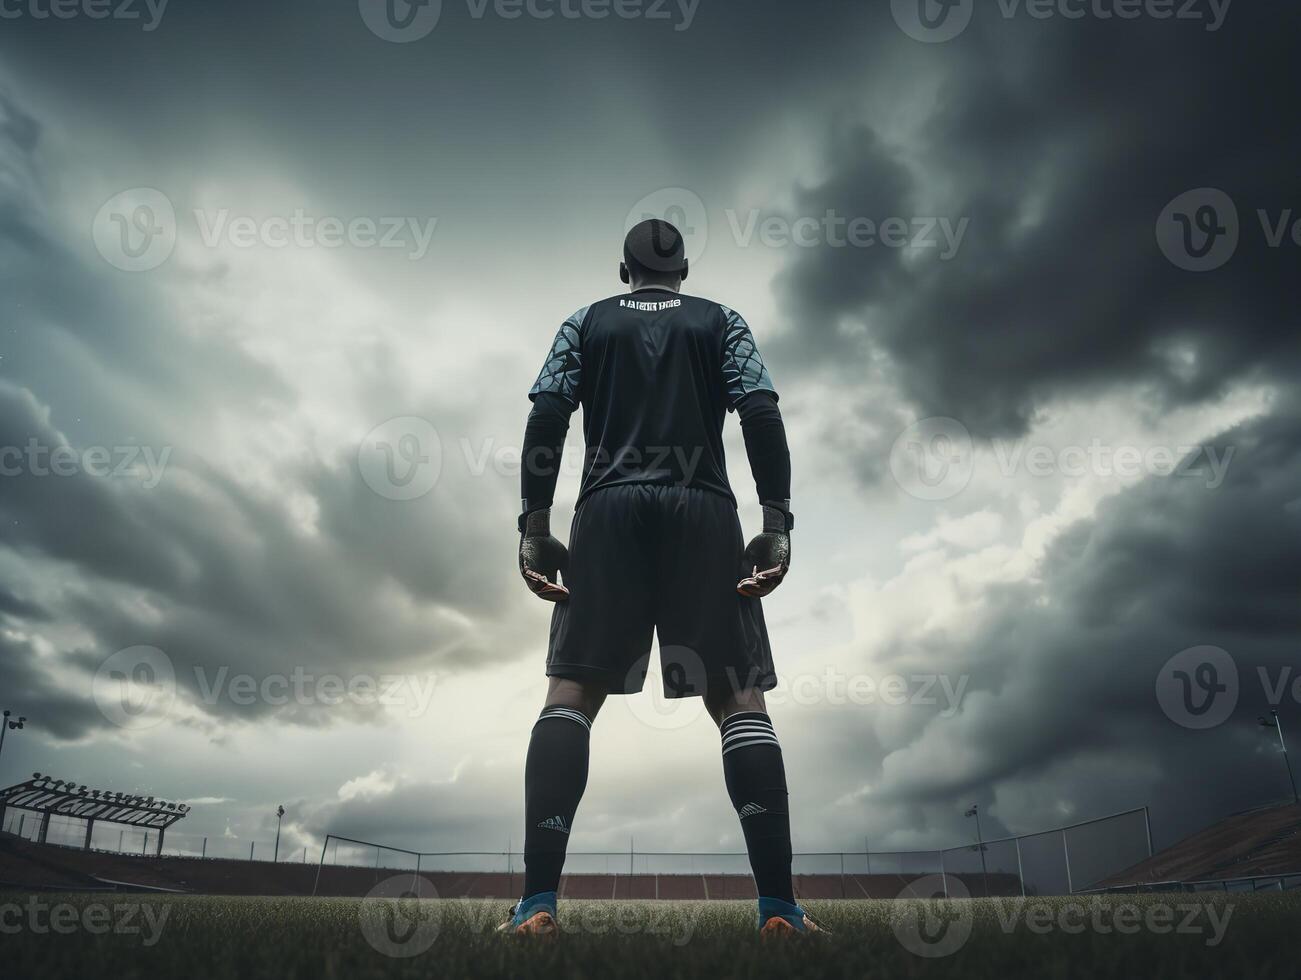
[743, 369]
[563, 370]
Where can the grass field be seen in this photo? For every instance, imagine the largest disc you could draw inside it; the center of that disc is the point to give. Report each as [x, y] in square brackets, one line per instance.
[76, 936]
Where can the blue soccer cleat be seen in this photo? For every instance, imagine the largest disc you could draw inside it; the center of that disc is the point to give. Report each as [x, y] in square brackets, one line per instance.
[534, 916]
[780, 920]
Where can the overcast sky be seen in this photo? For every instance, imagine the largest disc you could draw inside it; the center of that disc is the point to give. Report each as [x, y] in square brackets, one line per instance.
[277, 277]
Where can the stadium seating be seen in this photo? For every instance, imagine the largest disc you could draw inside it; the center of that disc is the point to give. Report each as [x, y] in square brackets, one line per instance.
[1262, 841]
[29, 865]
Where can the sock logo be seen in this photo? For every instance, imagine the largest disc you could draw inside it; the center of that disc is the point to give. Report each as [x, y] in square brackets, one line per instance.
[554, 823]
[751, 810]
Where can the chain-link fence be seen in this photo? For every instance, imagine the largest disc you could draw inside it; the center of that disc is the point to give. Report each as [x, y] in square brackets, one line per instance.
[1052, 862]
[1059, 861]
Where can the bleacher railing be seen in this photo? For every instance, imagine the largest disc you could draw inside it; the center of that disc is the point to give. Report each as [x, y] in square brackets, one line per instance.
[1254, 883]
[122, 839]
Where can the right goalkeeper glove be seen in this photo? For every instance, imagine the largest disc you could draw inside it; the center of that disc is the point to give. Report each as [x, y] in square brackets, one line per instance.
[542, 559]
[768, 555]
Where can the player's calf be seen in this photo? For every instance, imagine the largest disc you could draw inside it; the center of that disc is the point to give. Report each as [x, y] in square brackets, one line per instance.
[555, 775]
[756, 782]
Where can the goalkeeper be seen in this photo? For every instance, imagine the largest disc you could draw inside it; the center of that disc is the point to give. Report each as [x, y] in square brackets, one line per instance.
[656, 547]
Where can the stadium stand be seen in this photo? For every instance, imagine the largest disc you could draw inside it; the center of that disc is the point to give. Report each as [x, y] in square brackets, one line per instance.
[30, 871]
[1262, 841]
[25, 864]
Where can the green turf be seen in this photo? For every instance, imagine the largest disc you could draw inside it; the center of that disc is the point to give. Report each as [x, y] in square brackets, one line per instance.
[193, 936]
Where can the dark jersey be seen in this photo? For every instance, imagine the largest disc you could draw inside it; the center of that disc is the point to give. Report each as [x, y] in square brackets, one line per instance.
[656, 373]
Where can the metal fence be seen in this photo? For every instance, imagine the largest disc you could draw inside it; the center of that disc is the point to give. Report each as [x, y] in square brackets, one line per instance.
[1052, 862]
[1255, 883]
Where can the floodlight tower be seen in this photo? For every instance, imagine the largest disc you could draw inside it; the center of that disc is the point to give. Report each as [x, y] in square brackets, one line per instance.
[1273, 722]
[980, 846]
[7, 725]
[280, 815]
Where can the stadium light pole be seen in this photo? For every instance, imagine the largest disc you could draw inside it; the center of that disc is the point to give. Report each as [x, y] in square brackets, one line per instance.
[980, 846]
[1273, 722]
[280, 815]
[5, 725]
[8, 726]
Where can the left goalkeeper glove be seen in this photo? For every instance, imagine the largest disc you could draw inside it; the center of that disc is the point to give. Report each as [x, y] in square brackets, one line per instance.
[768, 555]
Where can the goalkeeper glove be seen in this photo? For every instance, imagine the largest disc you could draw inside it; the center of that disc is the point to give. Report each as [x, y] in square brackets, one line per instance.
[768, 555]
[542, 559]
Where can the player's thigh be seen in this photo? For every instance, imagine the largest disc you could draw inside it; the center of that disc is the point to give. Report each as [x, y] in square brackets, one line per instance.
[700, 619]
[611, 548]
[605, 626]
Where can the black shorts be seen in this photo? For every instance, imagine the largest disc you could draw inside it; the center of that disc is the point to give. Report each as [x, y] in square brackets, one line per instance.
[646, 557]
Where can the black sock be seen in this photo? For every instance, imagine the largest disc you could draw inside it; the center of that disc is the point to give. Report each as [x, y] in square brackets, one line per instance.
[555, 776]
[756, 782]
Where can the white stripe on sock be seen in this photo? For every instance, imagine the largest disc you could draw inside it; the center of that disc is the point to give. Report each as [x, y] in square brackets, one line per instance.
[749, 730]
[569, 713]
[746, 716]
[753, 741]
[748, 727]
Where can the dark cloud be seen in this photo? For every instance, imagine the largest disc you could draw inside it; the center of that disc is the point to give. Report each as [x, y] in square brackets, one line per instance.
[1065, 669]
[184, 554]
[1062, 142]
[29, 691]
